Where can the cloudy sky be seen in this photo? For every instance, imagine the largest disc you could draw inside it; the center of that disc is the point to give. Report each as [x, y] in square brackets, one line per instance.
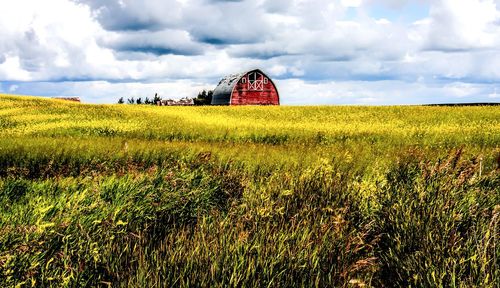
[318, 51]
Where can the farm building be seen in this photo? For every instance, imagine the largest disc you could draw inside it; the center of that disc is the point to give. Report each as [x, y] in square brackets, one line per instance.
[74, 99]
[181, 102]
[248, 88]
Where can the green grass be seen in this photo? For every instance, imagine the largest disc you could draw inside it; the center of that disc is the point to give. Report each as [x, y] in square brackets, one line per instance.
[120, 195]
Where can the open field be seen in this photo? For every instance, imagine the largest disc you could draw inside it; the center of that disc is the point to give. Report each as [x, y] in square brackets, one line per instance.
[144, 196]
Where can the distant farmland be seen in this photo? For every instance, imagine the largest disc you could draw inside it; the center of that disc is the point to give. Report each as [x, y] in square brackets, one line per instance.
[145, 196]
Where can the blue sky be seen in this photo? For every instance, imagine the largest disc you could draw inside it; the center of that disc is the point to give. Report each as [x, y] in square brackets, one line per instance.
[369, 52]
[406, 13]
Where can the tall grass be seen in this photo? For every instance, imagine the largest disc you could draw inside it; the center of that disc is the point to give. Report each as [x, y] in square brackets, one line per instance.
[242, 197]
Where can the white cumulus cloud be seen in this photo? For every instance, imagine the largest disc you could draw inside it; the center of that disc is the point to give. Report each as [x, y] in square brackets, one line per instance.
[339, 51]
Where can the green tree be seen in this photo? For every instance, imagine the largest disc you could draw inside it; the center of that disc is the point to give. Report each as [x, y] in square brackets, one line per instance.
[204, 98]
[156, 99]
[120, 101]
[210, 95]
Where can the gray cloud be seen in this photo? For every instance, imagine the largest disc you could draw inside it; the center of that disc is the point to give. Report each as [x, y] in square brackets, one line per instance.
[264, 52]
[211, 22]
[227, 22]
[163, 42]
[277, 6]
[135, 15]
[33, 56]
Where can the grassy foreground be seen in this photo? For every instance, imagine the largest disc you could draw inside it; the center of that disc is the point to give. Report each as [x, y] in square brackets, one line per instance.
[121, 196]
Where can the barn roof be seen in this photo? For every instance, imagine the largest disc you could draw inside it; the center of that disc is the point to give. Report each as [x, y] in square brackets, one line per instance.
[222, 93]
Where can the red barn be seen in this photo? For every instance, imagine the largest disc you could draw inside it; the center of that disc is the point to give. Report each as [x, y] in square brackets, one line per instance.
[249, 88]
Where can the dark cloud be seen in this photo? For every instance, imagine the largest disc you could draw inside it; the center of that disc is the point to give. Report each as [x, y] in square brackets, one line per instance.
[220, 39]
[175, 42]
[158, 51]
[128, 15]
[208, 39]
[259, 54]
[210, 22]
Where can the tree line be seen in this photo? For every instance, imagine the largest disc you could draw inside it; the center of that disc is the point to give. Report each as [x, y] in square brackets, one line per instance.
[204, 98]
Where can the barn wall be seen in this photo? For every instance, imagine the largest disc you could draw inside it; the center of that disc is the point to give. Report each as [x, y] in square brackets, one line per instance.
[242, 96]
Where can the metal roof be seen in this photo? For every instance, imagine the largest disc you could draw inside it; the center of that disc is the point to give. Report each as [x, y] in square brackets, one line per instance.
[222, 93]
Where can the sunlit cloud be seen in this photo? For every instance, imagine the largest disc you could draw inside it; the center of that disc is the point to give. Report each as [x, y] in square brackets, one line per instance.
[319, 51]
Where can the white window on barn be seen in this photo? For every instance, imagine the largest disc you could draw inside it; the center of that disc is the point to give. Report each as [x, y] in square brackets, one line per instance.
[244, 80]
[255, 81]
[265, 81]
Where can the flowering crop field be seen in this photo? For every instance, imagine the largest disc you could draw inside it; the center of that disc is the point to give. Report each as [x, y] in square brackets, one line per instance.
[146, 196]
